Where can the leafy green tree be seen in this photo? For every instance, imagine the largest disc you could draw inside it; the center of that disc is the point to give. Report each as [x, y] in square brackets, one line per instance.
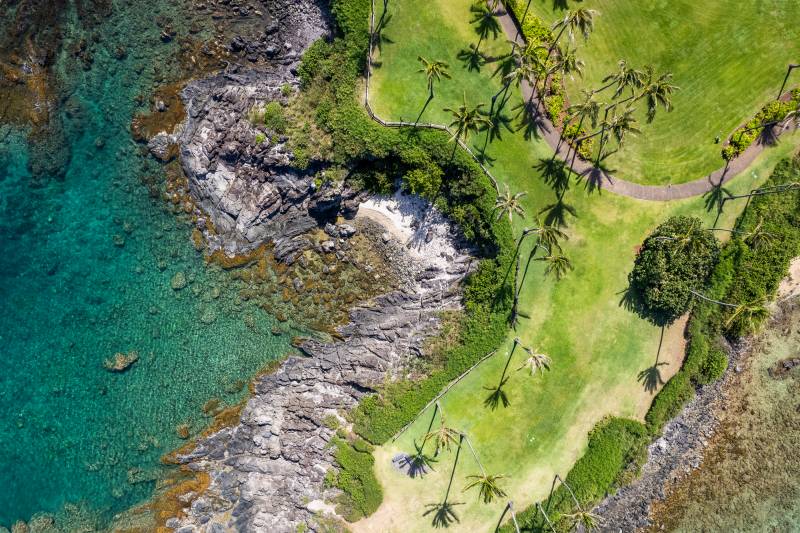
[674, 260]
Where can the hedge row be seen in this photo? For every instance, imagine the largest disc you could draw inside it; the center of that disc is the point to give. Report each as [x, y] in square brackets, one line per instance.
[771, 113]
[375, 158]
[536, 32]
[617, 447]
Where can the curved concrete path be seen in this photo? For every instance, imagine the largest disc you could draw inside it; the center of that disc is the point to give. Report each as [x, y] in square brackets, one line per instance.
[598, 179]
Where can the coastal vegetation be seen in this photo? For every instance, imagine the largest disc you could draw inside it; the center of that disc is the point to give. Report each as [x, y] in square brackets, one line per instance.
[548, 311]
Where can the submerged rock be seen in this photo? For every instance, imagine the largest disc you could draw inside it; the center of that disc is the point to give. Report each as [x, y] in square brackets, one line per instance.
[121, 362]
[178, 281]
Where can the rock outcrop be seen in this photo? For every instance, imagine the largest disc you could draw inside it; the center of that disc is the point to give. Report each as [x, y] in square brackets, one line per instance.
[241, 173]
[267, 472]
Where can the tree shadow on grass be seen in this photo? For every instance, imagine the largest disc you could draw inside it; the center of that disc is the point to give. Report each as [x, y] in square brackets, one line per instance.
[497, 395]
[444, 514]
[650, 377]
[472, 58]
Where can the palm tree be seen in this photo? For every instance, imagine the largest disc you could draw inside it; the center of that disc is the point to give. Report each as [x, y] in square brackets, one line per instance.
[558, 265]
[444, 512]
[488, 487]
[758, 238]
[747, 317]
[434, 71]
[587, 108]
[626, 77]
[618, 126]
[580, 19]
[535, 362]
[569, 64]
[658, 92]
[507, 203]
[549, 236]
[467, 120]
[443, 437]
[585, 519]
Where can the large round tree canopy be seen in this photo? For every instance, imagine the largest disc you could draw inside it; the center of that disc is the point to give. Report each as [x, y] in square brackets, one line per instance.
[674, 260]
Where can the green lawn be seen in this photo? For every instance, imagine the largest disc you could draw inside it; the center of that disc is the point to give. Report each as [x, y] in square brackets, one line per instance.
[596, 346]
[728, 56]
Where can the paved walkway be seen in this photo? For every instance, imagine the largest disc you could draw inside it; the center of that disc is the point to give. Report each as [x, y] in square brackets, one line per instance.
[598, 179]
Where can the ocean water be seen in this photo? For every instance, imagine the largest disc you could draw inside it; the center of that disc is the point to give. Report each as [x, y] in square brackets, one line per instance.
[86, 264]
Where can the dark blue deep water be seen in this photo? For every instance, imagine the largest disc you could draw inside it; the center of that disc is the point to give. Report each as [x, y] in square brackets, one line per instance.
[85, 269]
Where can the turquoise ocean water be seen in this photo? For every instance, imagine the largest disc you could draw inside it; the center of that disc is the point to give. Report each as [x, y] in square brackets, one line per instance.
[85, 270]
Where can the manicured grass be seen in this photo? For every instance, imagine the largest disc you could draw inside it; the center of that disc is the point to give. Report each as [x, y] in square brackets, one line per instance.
[597, 347]
[729, 58]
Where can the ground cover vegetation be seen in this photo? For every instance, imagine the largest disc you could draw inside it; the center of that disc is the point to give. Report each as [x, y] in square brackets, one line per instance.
[750, 267]
[719, 67]
[346, 144]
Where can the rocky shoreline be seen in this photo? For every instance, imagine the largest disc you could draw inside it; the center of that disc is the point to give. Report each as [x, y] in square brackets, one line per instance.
[267, 472]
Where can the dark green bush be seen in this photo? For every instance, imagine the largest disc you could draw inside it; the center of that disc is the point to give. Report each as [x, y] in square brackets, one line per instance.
[669, 402]
[674, 260]
[362, 492]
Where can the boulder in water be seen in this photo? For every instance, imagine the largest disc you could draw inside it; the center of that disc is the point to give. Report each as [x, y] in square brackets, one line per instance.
[121, 362]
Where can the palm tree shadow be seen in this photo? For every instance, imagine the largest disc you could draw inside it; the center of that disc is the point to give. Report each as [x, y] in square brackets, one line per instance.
[444, 514]
[650, 377]
[556, 213]
[472, 58]
[497, 395]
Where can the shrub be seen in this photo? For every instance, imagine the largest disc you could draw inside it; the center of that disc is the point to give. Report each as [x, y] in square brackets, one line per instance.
[274, 118]
[715, 365]
[585, 146]
[669, 402]
[362, 492]
[260, 138]
[674, 260]
[773, 112]
[554, 104]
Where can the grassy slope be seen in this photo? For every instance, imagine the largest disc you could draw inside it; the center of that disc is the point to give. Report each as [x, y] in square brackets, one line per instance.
[728, 56]
[596, 346]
